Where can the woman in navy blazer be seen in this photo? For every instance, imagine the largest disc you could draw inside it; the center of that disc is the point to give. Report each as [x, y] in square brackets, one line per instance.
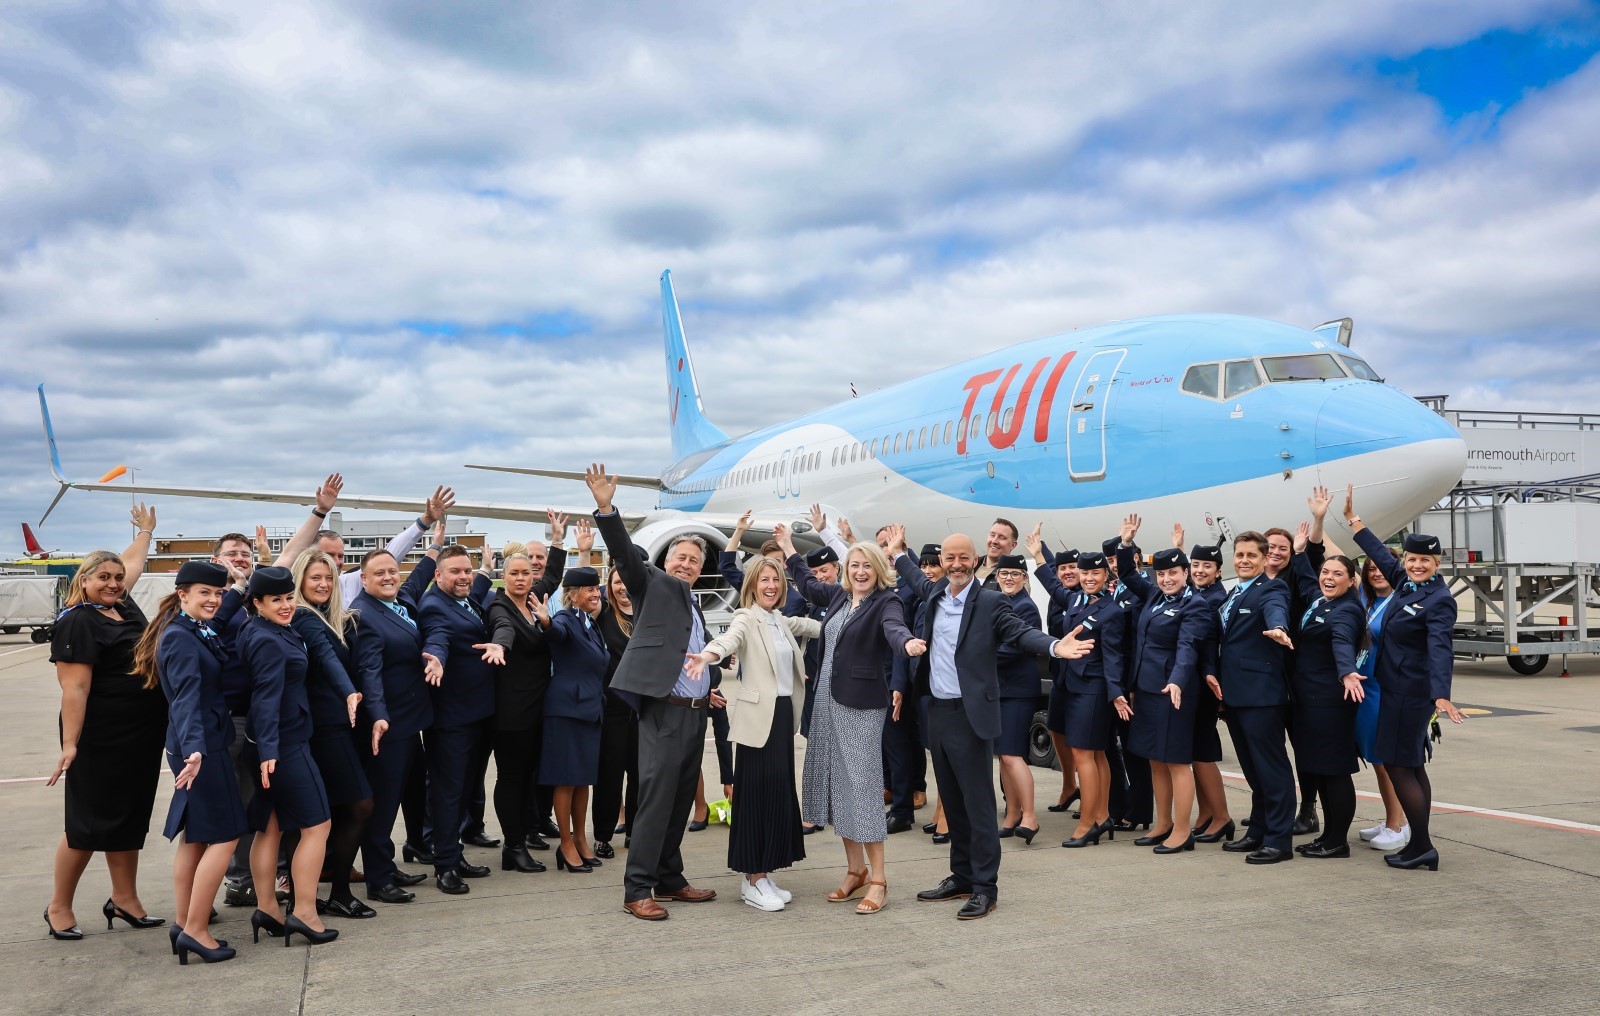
[574, 706]
[842, 784]
[1415, 664]
[181, 653]
[291, 796]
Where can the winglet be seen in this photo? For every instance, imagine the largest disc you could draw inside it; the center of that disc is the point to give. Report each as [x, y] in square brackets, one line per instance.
[55, 456]
[691, 431]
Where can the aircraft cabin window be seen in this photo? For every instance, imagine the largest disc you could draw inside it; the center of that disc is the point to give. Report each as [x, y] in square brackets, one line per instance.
[836, 456]
[1360, 368]
[977, 428]
[1240, 377]
[1202, 378]
[922, 439]
[896, 443]
[1302, 367]
[994, 422]
[1005, 423]
[946, 432]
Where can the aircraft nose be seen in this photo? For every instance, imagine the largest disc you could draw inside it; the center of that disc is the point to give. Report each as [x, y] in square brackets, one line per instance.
[1402, 456]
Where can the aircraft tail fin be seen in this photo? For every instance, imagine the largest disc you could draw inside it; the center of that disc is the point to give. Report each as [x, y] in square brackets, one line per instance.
[29, 541]
[691, 431]
[55, 456]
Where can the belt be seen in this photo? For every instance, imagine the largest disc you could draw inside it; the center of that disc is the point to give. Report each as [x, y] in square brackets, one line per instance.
[687, 703]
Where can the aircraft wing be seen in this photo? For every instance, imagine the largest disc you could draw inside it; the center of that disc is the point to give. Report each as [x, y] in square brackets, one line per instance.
[623, 479]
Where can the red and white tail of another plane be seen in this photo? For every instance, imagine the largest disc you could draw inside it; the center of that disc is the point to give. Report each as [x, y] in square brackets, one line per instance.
[36, 551]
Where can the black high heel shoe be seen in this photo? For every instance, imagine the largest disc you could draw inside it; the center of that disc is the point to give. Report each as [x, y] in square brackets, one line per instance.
[1088, 839]
[1153, 838]
[593, 862]
[72, 934]
[1006, 832]
[1064, 805]
[260, 922]
[111, 910]
[562, 864]
[1225, 833]
[173, 931]
[1025, 834]
[183, 945]
[1427, 859]
[1200, 826]
[1110, 828]
[1162, 848]
[292, 926]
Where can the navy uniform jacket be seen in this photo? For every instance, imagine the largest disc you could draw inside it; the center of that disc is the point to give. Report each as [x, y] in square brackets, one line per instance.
[1415, 659]
[733, 575]
[1299, 600]
[279, 711]
[1252, 669]
[1212, 596]
[228, 621]
[986, 622]
[1102, 671]
[871, 637]
[1169, 635]
[449, 631]
[1329, 640]
[328, 684]
[1019, 669]
[190, 666]
[579, 660]
[389, 657]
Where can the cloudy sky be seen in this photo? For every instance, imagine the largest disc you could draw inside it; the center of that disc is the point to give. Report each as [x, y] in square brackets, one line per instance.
[244, 245]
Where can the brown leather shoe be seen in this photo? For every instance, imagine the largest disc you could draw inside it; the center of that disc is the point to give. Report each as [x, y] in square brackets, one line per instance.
[919, 800]
[646, 910]
[688, 894]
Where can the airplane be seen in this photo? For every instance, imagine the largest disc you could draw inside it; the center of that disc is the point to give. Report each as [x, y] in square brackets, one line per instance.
[1220, 422]
[36, 552]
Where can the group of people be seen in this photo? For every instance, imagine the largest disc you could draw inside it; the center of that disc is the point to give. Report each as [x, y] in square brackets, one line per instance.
[303, 706]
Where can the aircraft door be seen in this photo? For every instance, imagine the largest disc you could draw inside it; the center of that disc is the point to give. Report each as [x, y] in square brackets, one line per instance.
[1086, 419]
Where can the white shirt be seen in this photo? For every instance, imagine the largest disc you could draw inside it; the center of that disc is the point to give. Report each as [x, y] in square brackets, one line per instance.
[782, 653]
[943, 680]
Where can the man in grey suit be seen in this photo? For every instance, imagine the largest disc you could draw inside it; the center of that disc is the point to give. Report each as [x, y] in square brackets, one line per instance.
[672, 705]
[965, 625]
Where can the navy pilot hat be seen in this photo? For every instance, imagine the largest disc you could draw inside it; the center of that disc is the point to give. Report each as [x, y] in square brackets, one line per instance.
[270, 581]
[1418, 543]
[203, 573]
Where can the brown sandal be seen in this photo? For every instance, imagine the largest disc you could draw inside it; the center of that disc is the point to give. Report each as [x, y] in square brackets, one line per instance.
[854, 883]
[867, 906]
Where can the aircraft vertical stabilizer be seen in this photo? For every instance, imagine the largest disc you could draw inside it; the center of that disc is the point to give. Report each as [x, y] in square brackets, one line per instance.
[30, 541]
[691, 431]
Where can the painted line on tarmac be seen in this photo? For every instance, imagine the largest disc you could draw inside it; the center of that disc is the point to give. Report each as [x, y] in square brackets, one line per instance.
[1446, 808]
[13, 652]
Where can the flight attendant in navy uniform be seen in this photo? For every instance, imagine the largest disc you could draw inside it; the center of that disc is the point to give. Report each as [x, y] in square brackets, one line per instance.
[1172, 624]
[1214, 823]
[1059, 575]
[205, 810]
[1089, 712]
[1019, 675]
[1415, 666]
[1131, 803]
[291, 797]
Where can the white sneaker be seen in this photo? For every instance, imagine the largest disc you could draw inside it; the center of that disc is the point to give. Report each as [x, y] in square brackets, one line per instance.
[772, 888]
[757, 897]
[1367, 834]
[1391, 839]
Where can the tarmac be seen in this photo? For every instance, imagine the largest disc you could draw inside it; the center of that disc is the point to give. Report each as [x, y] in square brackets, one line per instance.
[1507, 925]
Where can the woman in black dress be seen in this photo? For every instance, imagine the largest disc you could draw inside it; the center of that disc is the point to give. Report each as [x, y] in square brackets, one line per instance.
[182, 655]
[520, 685]
[619, 730]
[329, 632]
[111, 730]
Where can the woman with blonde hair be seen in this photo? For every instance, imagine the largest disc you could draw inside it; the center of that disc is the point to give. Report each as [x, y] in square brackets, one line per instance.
[763, 717]
[111, 728]
[843, 779]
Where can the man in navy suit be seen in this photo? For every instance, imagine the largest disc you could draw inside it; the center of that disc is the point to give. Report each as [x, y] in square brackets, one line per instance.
[1252, 673]
[965, 626]
[455, 632]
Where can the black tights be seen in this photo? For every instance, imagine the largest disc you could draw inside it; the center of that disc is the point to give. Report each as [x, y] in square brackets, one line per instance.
[349, 823]
[1338, 795]
[1416, 800]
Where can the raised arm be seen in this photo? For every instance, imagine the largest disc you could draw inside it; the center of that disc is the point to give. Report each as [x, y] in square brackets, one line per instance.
[417, 582]
[893, 623]
[733, 640]
[800, 574]
[1059, 594]
[1374, 548]
[326, 497]
[635, 572]
[1305, 578]
[908, 570]
[133, 559]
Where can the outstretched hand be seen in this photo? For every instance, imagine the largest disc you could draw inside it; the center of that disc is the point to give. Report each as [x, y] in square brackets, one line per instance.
[144, 518]
[328, 494]
[1279, 636]
[916, 647]
[1318, 502]
[897, 539]
[1352, 687]
[1177, 535]
[781, 536]
[1036, 542]
[819, 520]
[493, 652]
[1302, 534]
[1130, 528]
[438, 505]
[602, 486]
[1071, 647]
[1124, 707]
[187, 775]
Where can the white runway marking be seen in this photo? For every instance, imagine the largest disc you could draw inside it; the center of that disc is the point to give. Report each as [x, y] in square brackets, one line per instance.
[13, 652]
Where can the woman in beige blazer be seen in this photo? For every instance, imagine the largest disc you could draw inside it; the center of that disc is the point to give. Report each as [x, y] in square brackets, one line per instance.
[764, 704]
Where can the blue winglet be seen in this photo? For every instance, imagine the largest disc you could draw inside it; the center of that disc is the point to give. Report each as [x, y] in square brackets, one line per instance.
[691, 431]
[55, 456]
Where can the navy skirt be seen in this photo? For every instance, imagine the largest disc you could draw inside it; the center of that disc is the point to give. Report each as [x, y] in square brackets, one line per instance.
[1016, 720]
[343, 776]
[1324, 737]
[210, 810]
[1056, 711]
[1161, 733]
[1402, 735]
[571, 753]
[1088, 724]
[296, 794]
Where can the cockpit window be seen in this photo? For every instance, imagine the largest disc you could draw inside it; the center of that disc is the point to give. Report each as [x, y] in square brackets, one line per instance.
[1201, 379]
[1302, 367]
[1240, 376]
[1359, 368]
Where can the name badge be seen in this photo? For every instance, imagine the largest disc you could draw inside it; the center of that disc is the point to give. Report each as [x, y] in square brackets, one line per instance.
[1244, 610]
[1170, 613]
[1411, 610]
[1320, 619]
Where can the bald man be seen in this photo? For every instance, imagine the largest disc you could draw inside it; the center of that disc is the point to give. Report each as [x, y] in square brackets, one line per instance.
[964, 627]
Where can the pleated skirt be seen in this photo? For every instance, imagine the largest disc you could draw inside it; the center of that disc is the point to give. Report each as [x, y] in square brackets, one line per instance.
[766, 834]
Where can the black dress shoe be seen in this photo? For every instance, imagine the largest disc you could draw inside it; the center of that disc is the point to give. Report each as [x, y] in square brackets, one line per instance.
[1269, 855]
[949, 889]
[415, 854]
[900, 825]
[1320, 850]
[1427, 859]
[940, 839]
[351, 908]
[549, 828]
[807, 830]
[403, 879]
[533, 841]
[1064, 805]
[1006, 832]
[466, 870]
[602, 848]
[518, 859]
[980, 905]
[451, 882]
[1247, 845]
[1162, 848]
[391, 894]
[72, 934]
[480, 839]
[1225, 833]
[699, 824]
[1305, 825]
[1154, 838]
[622, 827]
[930, 827]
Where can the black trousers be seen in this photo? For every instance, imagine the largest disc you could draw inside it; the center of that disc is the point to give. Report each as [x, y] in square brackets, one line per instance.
[414, 796]
[452, 755]
[477, 801]
[1259, 741]
[905, 763]
[619, 759]
[516, 782]
[389, 772]
[963, 763]
[1132, 792]
[719, 731]
[672, 740]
